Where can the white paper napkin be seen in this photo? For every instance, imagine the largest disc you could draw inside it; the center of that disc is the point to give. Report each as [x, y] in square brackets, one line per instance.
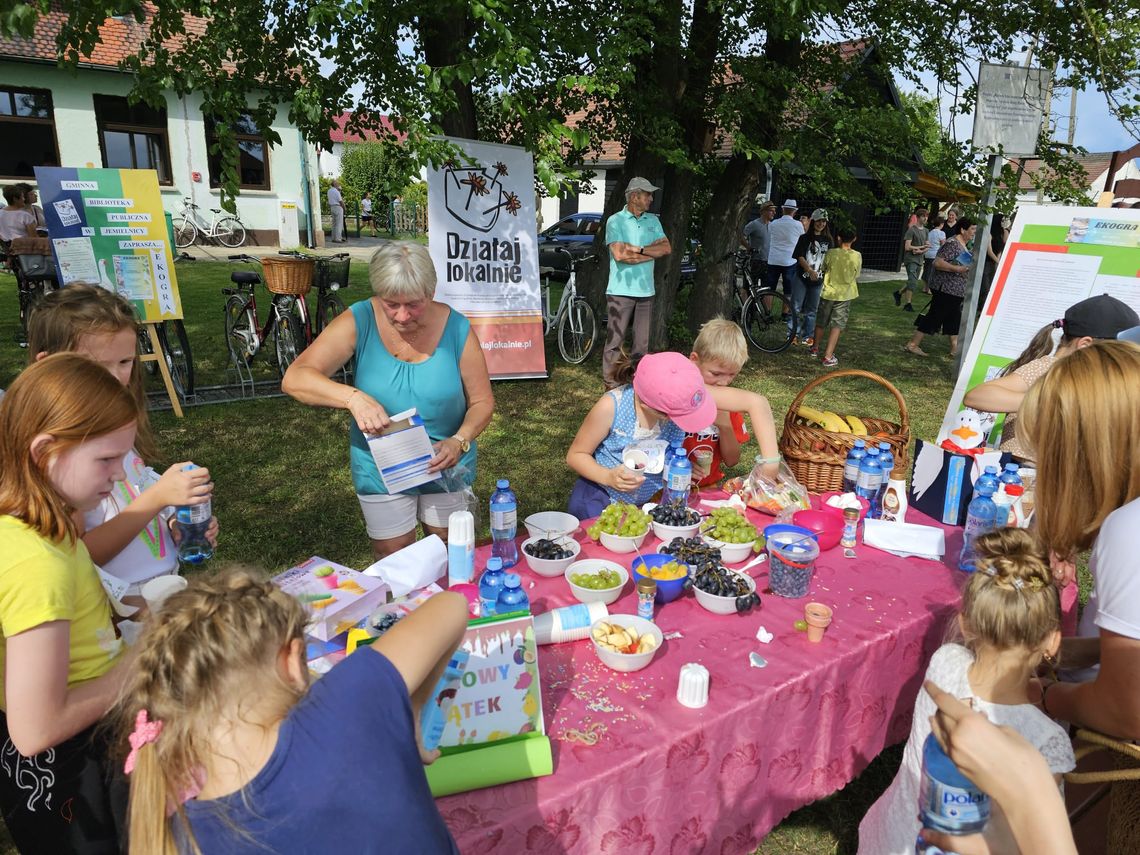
[413, 567]
[905, 539]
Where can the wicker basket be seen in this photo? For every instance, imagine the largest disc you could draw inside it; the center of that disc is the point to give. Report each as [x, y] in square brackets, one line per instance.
[285, 275]
[817, 456]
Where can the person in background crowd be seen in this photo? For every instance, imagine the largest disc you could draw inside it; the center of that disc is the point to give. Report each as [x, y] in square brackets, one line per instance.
[16, 221]
[336, 208]
[999, 234]
[635, 240]
[952, 224]
[783, 235]
[755, 240]
[809, 253]
[31, 201]
[841, 268]
[949, 285]
[366, 220]
[915, 244]
[934, 240]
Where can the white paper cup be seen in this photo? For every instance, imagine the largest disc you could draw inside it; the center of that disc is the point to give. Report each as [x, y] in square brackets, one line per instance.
[159, 588]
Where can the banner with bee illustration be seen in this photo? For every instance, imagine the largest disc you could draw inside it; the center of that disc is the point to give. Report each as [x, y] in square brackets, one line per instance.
[482, 239]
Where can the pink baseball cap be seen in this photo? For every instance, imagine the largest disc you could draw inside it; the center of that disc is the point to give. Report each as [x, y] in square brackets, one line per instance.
[672, 384]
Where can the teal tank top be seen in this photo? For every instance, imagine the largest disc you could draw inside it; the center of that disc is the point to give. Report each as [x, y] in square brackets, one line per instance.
[434, 387]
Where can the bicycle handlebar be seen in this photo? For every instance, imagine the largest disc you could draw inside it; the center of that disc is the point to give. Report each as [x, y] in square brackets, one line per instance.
[243, 257]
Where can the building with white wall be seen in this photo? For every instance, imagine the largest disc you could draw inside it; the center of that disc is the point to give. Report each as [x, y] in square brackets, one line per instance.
[51, 116]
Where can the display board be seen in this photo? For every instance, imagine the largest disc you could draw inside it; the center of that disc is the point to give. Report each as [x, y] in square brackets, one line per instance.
[108, 228]
[482, 239]
[1056, 256]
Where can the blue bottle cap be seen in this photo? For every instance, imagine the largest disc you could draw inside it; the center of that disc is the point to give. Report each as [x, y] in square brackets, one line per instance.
[503, 484]
[885, 446]
[494, 563]
[860, 443]
[991, 470]
[1011, 467]
[512, 580]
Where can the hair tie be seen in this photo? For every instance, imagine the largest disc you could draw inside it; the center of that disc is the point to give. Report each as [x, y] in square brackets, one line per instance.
[1059, 324]
[145, 732]
[1018, 584]
[989, 570]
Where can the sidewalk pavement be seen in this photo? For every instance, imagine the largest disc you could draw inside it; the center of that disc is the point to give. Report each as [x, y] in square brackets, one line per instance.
[360, 249]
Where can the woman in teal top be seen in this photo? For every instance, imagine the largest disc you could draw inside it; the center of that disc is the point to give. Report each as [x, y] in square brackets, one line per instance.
[410, 351]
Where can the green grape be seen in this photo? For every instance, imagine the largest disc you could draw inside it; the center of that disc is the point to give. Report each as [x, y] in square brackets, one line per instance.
[622, 519]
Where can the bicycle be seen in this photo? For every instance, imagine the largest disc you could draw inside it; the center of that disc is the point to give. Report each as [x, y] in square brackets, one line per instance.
[226, 230]
[574, 319]
[766, 316]
[330, 275]
[30, 261]
[285, 326]
[175, 346]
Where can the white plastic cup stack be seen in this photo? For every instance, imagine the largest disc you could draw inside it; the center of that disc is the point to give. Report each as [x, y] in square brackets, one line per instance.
[693, 686]
[569, 623]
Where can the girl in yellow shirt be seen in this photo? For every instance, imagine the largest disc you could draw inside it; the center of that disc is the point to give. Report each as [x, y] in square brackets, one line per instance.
[65, 425]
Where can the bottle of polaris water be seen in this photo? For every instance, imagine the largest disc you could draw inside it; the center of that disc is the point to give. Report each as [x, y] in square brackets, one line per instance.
[504, 524]
[851, 466]
[193, 520]
[1008, 477]
[989, 476]
[512, 598]
[887, 465]
[981, 516]
[678, 478]
[947, 800]
[490, 584]
[870, 479]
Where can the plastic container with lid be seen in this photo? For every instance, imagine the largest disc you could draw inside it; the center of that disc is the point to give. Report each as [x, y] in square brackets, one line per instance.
[791, 562]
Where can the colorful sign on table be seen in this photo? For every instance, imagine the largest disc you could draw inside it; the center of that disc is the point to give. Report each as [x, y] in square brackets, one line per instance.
[482, 239]
[1055, 257]
[108, 228]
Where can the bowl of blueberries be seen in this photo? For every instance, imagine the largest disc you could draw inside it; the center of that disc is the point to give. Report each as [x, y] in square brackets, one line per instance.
[674, 519]
[550, 556]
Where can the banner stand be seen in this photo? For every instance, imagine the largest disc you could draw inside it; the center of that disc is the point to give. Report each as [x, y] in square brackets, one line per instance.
[156, 355]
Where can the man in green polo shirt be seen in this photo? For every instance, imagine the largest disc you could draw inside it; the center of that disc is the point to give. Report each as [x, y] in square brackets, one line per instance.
[635, 239]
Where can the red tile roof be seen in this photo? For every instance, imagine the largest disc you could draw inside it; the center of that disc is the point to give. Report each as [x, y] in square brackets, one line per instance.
[1094, 165]
[119, 38]
[339, 135]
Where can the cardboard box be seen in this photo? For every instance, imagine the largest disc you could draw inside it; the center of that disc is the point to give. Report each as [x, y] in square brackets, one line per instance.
[942, 482]
[332, 610]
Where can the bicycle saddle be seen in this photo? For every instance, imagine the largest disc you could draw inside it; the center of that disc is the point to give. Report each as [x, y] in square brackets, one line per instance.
[216, 210]
[245, 277]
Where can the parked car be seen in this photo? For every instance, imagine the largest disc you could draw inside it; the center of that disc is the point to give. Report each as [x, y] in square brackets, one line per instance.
[576, 233]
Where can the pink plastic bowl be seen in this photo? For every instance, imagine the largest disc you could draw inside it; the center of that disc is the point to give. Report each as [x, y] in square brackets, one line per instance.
[819, 503]
[825, 524]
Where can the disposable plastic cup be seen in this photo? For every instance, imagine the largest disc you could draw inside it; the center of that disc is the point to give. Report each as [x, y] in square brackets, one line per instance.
[569, 623]
[156, 591]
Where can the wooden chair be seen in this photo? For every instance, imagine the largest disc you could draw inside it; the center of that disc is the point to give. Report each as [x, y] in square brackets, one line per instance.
[1122, 783]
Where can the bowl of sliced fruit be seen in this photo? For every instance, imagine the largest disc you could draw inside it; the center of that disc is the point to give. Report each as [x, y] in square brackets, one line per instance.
[674, 519]
[550, 556]
[730, 531]
[626, 642]
[671, 575]
[595, 580]
[621, 527]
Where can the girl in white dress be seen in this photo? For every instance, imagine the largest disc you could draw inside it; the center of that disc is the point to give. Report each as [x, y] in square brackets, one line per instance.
[1010, 621]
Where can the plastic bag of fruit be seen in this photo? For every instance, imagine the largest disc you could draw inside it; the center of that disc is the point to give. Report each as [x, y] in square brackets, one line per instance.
[770, 495]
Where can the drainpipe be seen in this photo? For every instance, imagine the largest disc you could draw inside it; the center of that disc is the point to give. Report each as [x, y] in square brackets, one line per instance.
[306, 197]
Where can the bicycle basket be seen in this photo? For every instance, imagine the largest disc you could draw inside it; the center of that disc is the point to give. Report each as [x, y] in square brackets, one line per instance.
[331, 271]
[284, 275]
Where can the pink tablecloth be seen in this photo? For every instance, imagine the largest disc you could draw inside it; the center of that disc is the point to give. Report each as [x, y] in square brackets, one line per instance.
[667, 779]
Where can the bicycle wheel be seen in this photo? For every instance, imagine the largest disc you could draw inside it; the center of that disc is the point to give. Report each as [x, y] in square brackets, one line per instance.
[185, 232]
[150, 367]
[241, 333]
[176, 349]
[230, 232]
[577, 332]
[764, 323]
[287, 340]
[329, 305]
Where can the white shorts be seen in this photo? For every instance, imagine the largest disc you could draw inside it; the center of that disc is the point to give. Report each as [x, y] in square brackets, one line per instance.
[387, 516]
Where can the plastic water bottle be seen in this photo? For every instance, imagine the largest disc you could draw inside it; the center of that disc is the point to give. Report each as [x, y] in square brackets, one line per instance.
[989, 476]
[193, 520]
[887, 465]
[678, 478]
[504, 523]
[512, 598]
[490, 584]
[1008, 477]
[947, 800]
[981, 516]
[851, 466]
[870, 479]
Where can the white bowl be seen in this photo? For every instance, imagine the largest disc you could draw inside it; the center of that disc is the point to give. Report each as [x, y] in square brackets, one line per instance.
[723, 605]
[551, 524]
[547, 566]
[667, 532]
[731, 553]
[620, 543]
[627, 662]
[590, 595]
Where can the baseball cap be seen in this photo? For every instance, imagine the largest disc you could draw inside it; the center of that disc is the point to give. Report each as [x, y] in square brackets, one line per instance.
[671, 383]
[1102, 316]
[819, 214]
[790, 203]
[636, 184]
[1132, 334]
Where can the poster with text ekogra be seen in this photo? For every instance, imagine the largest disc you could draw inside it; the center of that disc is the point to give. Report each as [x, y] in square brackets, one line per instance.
[481, 235]
[1056, 256]
[107, 228]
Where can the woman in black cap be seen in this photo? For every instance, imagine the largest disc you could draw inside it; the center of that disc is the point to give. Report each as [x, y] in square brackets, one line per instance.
[1100, 317]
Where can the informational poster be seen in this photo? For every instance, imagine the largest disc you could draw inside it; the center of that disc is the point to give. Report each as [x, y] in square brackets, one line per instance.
[1010, 107]
[1055, 257]
[482, 238]
[107, 227]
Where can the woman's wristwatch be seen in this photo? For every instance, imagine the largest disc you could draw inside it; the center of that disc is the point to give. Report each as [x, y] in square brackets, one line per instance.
[464, 443]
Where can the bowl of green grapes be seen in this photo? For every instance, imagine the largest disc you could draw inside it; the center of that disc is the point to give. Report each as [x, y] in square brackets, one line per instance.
[729, 531]
[621, 527]
[595, 580]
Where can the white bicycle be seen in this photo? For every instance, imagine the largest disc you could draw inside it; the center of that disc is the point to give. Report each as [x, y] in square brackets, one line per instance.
[574, 319]
[226, 230]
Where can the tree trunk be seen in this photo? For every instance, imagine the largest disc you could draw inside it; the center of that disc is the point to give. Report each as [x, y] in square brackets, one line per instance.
[445, 33]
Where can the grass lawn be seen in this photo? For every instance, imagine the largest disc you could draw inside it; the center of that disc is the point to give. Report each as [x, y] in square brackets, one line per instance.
[283, 490]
